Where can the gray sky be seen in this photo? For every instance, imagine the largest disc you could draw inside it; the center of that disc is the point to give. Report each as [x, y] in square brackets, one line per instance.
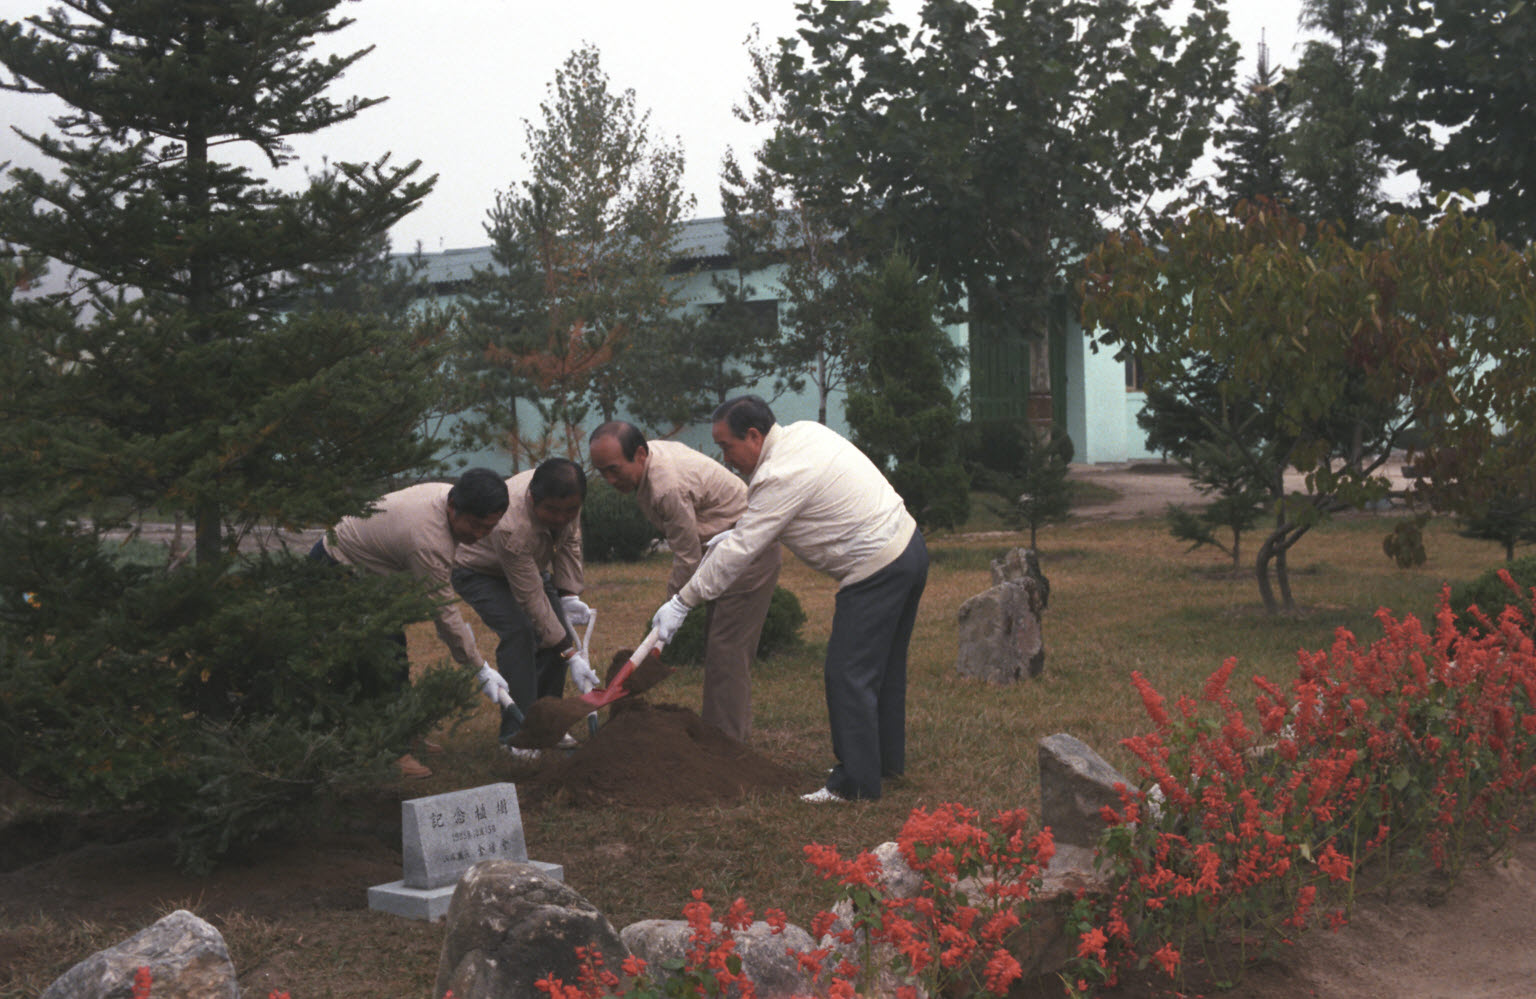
[462, 77]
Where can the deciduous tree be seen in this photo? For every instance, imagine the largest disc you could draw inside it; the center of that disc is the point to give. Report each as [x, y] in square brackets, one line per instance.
[1335, 350]
[991, 143]
[1463, 105]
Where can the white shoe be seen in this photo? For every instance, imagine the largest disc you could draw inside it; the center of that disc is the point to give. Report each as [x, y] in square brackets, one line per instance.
[523, 755]
[567, 741]
[825, 796]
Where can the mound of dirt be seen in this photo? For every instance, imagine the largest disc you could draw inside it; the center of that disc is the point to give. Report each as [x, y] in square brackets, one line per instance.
[653, 755]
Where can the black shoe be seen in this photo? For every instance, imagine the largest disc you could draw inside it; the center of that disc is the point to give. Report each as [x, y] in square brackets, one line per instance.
[511, 724]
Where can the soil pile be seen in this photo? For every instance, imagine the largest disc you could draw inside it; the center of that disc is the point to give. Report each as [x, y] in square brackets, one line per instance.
[654, 755]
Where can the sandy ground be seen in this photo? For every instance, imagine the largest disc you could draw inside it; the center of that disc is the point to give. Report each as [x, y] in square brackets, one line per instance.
[1147, 488]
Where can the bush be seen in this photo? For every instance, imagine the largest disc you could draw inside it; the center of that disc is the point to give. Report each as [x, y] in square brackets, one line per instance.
[612, 527]
[1490, 594]
[781, 632]
[218, 704]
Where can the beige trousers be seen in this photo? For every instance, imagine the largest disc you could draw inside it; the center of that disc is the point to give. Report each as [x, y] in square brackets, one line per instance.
[732, 626]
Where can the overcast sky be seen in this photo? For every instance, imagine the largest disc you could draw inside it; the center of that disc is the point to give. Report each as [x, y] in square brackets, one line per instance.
[462, 77]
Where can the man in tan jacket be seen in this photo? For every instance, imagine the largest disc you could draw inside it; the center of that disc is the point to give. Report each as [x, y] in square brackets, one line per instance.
[693, 500]
[524, 579]
[417, 530]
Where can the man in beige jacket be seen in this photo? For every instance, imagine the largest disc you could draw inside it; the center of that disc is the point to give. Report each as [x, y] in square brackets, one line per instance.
[524, 579]
[693, 500]
[417, 530]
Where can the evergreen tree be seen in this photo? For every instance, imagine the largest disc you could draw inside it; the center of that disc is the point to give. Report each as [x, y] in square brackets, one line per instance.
[1336, 152]
[583, 251]
[1252, 159]
[1043, 492]
[189, 370]
[900, 406]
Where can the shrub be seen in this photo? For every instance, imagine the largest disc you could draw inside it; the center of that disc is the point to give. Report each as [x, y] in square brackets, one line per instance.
[218, 704]
[612, 526]
[781, 632]
[1490, 593]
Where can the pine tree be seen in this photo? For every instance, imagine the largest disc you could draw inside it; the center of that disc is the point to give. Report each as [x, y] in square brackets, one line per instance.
[183, 388]
[193, 370]
[582, 253]
[1336, 158]
[1252, 164]
[901, 409]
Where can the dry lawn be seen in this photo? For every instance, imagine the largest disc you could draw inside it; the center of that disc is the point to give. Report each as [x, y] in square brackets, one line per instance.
[1124, 596]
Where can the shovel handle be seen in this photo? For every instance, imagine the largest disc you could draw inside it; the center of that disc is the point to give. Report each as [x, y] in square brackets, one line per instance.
[651, 641]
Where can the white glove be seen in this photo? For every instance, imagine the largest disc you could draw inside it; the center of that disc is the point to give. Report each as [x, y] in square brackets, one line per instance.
[492, 683]
[576, 612]
[670, 618]
[709, 545]
[582, 674]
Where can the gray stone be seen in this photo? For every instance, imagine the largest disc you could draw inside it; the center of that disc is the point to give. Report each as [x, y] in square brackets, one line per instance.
[1075, 785]
[186, 958]
[509, 926]
[441, 837]
[999, 633]
[1018, 565]
[765, 955]
[431, 904]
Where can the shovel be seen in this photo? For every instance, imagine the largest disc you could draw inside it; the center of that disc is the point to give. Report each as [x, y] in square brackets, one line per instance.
[550, 717]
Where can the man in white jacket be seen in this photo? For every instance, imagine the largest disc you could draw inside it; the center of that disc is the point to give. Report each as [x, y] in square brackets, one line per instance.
[814, 491]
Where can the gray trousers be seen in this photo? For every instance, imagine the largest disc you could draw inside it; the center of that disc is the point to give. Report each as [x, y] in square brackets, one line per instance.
[866, 673]
[733, 623]
[530, 672]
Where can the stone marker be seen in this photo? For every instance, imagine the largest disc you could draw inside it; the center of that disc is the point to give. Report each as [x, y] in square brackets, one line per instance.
[444, 835]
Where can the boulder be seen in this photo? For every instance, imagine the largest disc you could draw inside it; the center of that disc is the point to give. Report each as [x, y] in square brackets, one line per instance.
[186, 958]
[510, 925]
[1075, 785]
[1018, 565]
[765, 955]
[999, 633]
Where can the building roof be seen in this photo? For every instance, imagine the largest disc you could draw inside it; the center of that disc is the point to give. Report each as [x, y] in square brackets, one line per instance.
[700, 240]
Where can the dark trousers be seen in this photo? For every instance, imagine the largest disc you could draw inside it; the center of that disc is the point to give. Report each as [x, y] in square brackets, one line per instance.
[866, 673]
[530, 672]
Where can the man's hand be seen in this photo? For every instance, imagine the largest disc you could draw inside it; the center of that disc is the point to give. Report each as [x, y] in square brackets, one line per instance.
[576, 612]
[669, 618]
[582, 674]
[492, 684]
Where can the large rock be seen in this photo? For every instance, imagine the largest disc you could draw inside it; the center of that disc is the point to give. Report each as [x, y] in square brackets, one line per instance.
[1075, 785]
[1018, 565]
[509, 925]
[186, 958]
[765, 955]
[999, 633]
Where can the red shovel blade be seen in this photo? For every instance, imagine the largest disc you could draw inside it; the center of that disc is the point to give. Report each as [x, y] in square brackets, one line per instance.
[615, 689]
[603, 696]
